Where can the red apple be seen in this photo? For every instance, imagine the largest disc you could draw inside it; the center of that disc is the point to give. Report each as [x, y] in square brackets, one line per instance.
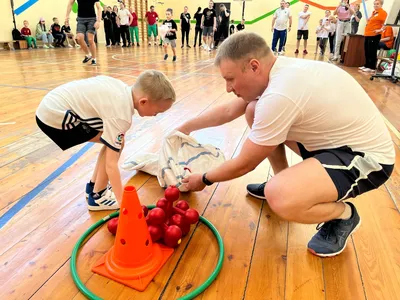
[112, 226]
[156, 216]
[172, 236]
[155, 232]
[172, 193]
[182, 204]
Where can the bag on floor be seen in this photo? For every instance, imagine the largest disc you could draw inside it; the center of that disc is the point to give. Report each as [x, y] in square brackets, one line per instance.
[179, 155]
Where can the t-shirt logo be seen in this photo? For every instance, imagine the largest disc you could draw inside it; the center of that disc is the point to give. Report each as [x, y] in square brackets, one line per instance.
[119, 139]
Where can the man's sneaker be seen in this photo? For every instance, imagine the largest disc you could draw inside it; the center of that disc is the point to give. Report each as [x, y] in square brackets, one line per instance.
[362, 68]
[305, 51]
[331, 239]
[87, 58]
[106, 201]
[174, 58]
[256, 190]
[296, 52]
[94, 62]
[165, 56]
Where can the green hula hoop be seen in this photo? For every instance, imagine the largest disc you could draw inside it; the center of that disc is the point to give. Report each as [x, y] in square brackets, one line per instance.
[86, 292]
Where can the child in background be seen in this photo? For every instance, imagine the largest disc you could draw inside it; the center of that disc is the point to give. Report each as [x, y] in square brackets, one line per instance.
[66, 29]
[27, 34]
[170, 37]
[100, 109]
[332, 35]
[322, 36]
[59, 37]
[232, 28]
[241, 26]
[133, 27]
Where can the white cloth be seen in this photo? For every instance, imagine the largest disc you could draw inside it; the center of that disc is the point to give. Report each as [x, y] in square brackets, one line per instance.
[124, 16]
[102, 102]
[302, 22]
[324, 32]
[177, 153]
[320, 116]
[282, 18]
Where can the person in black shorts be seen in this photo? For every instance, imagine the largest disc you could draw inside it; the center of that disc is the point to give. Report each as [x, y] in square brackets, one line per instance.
[88, 22]
[209, 25]
[223, 24]
[302, 32]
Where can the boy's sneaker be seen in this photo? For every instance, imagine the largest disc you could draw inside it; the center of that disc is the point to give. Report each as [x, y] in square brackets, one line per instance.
[105, 201]
[331, 239]
[87, 58]
[257, 190]
[165, 56]
[45, 47]
[94, 62]
[174, 58]
[296, 52]
[305, 51]
[89, 189]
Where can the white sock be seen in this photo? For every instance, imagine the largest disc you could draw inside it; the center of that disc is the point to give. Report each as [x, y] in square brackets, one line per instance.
[346, 213]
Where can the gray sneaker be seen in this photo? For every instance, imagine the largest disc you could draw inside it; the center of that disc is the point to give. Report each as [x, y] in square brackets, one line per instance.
[331, 239]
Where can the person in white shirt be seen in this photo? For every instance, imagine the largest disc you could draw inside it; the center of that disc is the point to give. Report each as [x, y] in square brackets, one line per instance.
[100, 110]
[302, 29]
[335, 127]
[332, 35]
[322, 35]
[125, 19]
[280, 27]
[288, 8]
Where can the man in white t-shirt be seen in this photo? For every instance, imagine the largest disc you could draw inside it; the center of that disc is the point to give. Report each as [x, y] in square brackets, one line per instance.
[280, 27]
[335, 127]
[100, 109]
[125, 19]
[302, 29]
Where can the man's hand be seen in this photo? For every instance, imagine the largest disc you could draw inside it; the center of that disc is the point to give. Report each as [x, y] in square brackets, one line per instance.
[96, 25]
[215, 28]
[290, 28]
[272, 29]
[194, 182]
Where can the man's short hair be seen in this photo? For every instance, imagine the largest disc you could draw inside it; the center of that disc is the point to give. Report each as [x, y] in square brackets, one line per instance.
[242, 46]
[155, 85]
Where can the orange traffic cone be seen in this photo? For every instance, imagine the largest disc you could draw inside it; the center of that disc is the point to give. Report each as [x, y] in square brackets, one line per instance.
[133, 260]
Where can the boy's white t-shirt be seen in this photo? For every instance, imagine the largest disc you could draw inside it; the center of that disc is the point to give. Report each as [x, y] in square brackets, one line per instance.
[324, 32]
[282, 18]
[303, 21]
[103, 103]
[124, 16]
[320, 116]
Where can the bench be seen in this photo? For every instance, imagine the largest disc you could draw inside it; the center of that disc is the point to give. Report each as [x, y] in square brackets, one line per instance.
[13, 45]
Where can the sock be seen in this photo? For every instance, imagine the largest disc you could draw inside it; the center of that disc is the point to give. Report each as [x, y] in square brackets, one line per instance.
[97, 195]
[346, 213]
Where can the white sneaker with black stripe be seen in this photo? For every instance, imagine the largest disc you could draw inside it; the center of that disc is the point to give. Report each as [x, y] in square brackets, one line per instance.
[106, 201]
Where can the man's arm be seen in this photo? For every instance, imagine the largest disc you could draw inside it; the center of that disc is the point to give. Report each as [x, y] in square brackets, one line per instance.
[220, 115]
[249, 158]
[113, 173]
[308, 18]
[215, 24]
[273, 23]
[202, 21]
[69, 8]
[98, 17]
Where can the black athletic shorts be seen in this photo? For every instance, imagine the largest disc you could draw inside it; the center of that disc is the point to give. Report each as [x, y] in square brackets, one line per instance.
[352, 172]
[302, 33]
[66, 139]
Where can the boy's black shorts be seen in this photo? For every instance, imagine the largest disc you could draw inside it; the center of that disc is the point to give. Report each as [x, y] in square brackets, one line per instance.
[66, 139]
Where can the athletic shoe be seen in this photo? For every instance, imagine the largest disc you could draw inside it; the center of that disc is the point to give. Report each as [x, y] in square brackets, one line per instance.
[138, 45]
[89, 189]
[87, 58]
[182, 46]
[165, 56]
[174, 58]
[257, 190]
[51, 46]
[362, 68]
[367, 70]
[296, 52]
[188, 46]
[281, 53]
[332, 237]
[305, 51]
[106, 201]
[69, 46]
[93, 62]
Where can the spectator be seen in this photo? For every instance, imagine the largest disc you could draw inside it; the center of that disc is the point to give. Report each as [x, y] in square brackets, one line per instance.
[343, 12]
[302, 29]
[27, 34]
[170, 37]
[108, 25]
[209, 25]
[241, 27]
[232, 27]
[372, 34]
[134, 29]
[279, 26]
[387, 38]
[284, 44]
[185, 26]
[322, 35]
[332, 35]
[66, 29]
[198, 31]
[115, 24]
[355, 19]
[43, 34]
[151, 20]
[125, 19]
[223, 27]
[59, 37]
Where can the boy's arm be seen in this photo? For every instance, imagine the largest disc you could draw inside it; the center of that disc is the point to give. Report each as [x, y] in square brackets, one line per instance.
[113, 173]
[220, 115]
[69, 8]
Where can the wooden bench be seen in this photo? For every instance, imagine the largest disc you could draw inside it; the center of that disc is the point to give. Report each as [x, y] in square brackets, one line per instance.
[13, 45]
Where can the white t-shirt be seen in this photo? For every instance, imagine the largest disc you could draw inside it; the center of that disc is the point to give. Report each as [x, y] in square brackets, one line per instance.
[124, 16]
[103, 103]
[282, 18]
[303, 21]
[298, 106]
[324, 32]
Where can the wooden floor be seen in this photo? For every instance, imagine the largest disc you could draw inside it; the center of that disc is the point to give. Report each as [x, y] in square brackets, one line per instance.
[265, 258]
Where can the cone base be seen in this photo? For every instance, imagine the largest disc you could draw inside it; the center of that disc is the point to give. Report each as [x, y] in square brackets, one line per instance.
[136, 281]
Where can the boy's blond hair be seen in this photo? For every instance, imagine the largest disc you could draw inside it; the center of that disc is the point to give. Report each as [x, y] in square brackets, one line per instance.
[155, 85]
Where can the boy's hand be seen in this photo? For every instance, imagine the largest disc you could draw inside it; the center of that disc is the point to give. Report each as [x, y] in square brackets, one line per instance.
[113, 173]
[183, 129]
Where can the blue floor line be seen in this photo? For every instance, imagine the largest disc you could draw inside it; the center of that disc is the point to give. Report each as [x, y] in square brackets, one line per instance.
[41, 186]
[24, 87]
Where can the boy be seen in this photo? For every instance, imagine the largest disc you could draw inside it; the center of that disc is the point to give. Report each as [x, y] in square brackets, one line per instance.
[232, 28]
[66, 29]
[27, 34]
[322, 33]
[59, 37]
[99, 109]
[241, 26]
[170, 37]
[151, 20]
